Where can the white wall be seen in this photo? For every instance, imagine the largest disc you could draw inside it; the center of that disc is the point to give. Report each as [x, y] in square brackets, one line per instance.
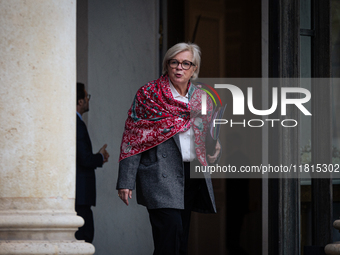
[122, 56]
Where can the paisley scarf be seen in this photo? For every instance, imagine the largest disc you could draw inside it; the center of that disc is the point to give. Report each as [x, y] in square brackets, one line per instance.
[155, 116]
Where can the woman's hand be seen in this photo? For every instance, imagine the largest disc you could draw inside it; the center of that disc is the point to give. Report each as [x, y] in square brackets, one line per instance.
[124, 195]
[214, 157]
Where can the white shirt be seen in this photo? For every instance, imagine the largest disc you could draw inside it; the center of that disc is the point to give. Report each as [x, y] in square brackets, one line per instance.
[186, 138]
[79, 115]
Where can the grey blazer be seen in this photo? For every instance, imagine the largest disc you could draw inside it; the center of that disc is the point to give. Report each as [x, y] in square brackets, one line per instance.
[159, 177]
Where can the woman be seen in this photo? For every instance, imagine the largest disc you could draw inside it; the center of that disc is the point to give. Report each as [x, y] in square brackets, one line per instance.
[156, 150]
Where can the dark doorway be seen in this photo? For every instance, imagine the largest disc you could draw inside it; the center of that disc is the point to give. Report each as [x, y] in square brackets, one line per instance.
[229, 35]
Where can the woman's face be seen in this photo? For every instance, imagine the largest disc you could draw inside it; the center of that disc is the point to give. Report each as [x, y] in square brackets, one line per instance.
[178, 75]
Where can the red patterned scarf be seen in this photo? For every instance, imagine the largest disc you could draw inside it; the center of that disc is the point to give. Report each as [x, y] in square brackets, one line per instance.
[155, 116]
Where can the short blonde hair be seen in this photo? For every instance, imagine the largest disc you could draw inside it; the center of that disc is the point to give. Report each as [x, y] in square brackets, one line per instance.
[180, 47]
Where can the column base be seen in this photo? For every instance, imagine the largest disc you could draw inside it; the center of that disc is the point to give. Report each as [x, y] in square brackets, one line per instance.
[41, 232]
[333, 248]
[46, 247]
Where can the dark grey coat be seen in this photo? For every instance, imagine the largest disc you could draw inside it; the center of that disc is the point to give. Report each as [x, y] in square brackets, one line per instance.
[159, 177]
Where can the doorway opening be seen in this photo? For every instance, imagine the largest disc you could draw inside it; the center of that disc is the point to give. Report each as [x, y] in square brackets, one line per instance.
[229, 35]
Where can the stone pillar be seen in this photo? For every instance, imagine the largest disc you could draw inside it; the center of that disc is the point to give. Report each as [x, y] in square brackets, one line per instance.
[334, 248]
[37, 128]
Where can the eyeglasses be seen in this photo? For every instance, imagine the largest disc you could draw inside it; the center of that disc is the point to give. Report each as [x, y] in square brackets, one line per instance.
[173, 63]
[88, 96]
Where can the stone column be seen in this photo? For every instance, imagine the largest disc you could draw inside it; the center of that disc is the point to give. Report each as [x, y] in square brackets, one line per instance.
[37, 128]
[334, 248]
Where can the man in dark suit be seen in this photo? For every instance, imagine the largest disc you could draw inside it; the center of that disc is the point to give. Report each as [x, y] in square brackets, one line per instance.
[87, 162]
